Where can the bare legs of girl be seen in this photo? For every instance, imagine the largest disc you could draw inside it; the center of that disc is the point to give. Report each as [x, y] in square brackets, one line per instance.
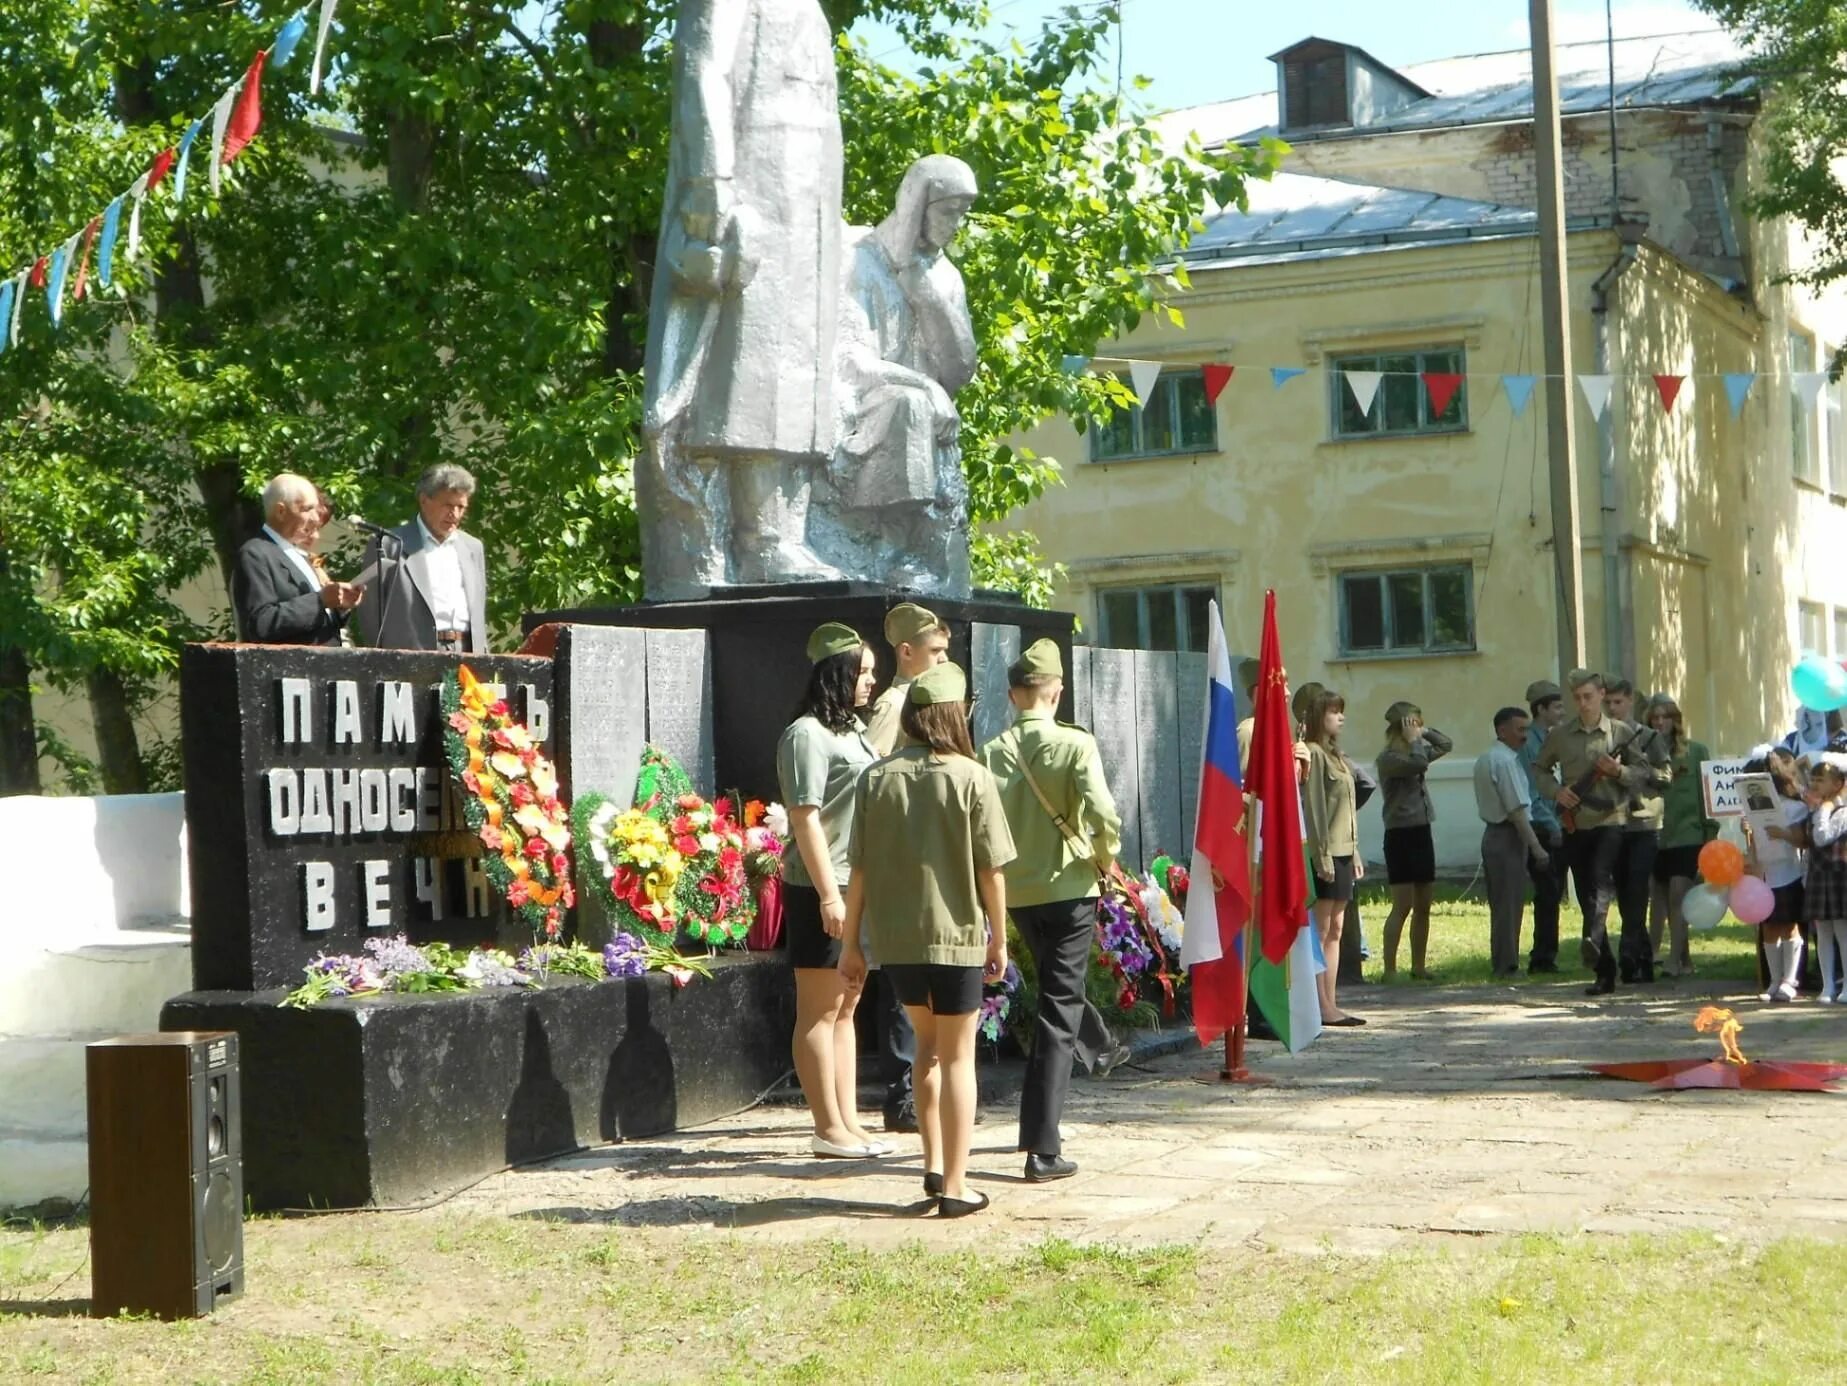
[1412, 900]
[943, 1086]
[1329, 916]
[826, 1052]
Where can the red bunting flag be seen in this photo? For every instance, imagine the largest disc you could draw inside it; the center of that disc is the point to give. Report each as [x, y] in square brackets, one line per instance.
[158, 169]
[247, 115]
[1217, 378]
[83, 262]
[37, 278]
[1669, 387]
[1441, 387]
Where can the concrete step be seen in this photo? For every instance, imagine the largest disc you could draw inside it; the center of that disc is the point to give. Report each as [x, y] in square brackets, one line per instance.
[112, 981]
[35, 1168]
[42, 1086]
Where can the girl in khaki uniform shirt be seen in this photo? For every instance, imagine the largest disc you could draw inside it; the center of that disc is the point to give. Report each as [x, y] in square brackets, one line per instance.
[1331, 818]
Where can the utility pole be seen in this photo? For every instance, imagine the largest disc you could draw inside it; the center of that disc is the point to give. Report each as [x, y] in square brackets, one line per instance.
[1554, 295]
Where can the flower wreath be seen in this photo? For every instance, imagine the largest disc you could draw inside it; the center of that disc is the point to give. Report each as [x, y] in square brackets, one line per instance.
[511, 802]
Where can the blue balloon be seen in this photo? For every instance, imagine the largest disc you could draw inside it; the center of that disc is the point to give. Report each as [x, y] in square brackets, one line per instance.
[1818, 683]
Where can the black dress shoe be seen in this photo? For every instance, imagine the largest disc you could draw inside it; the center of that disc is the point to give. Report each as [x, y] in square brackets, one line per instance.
[933, 1184]
[1043, 1169]
[1534, 968]
[1603, 988]
[1112, 1061]
[902, 1119]
[1256, 1027]
[947, 1207]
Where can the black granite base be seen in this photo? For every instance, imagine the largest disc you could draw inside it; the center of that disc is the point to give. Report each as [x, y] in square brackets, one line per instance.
[758, 665]
[397, 1099]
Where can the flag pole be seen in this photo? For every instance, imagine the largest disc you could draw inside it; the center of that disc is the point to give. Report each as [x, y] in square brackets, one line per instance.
[1234, 1070]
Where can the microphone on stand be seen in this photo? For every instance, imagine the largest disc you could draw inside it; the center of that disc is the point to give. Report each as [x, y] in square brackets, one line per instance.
[359, 522]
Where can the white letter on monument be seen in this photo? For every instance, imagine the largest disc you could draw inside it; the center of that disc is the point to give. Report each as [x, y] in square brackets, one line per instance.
[345, 802]
[297, 712]
[429, 798]
[375, 885]
[397, 720]
[430, 886]
[475, 900]
[314, 815]
[346, 712]
[374, 810]
[403, 797]
[538, 713]
[317, 896]
[284, 802]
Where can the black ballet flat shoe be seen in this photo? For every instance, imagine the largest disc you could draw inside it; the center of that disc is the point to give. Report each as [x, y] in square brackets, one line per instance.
[933, 1184]
[947, 1207]
[1601, 989]
[1346, 1022]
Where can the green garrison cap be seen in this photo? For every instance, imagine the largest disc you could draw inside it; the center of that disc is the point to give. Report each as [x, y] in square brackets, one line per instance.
[1543, 691]
[946, 683]
[1577, 678]
[1040, 659]
[830, 639]
[905, 622]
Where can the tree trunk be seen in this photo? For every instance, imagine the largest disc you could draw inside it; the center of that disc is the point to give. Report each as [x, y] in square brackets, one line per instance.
[631, 257]
[117, 747]
[18, 734]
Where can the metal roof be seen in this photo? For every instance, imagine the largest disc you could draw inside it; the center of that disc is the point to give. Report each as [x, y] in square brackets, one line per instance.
[1690, 69]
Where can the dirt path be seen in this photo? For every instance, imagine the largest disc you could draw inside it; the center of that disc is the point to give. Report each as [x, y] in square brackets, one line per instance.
[1453, 1112]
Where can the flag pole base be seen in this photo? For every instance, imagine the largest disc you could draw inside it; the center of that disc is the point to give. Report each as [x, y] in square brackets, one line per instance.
[1239, 1075]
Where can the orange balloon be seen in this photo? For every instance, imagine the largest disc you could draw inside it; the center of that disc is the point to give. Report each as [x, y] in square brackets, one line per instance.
[1721, 863]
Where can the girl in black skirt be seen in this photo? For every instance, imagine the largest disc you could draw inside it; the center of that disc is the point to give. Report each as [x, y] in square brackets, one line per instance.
[1410, 851]
[1827, 877]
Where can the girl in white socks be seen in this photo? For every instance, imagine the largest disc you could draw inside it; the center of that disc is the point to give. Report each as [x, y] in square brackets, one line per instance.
[1777, 856]
[1827, 876]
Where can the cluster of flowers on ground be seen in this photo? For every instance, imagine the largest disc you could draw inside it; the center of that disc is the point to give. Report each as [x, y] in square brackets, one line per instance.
[511, 801]
[397, 965]
[673, 863]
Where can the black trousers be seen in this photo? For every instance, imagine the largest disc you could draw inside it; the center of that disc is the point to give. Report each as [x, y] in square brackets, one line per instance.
[1059, 936]
[1635, 868]
[897, 1046]
[1592, 855]
[1548, 895]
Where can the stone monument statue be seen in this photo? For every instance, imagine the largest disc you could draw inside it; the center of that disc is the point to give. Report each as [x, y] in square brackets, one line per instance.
[906, 346]
[738, 413]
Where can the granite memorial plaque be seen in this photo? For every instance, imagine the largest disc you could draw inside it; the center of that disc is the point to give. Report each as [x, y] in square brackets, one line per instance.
[1191, 725]
[1077, 690]
[679, 702]
[1112, 704]
[992, 650]
[602, 709]
[1157, 756]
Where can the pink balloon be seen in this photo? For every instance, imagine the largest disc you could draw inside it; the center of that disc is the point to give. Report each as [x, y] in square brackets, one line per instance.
[1752, 900]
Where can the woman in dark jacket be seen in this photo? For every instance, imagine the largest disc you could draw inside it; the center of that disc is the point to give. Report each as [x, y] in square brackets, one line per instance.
[1410, 850]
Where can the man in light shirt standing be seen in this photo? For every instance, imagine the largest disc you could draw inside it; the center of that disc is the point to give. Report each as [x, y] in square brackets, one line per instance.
[1504, 800]
[435, 583]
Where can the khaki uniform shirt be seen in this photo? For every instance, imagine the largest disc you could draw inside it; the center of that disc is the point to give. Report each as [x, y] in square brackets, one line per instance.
[923, 825]
[1570, 755]
[1401, 777]
[820, 769]
[1329, 809]
[1646, 806]
[1069, 771]
[883, 730]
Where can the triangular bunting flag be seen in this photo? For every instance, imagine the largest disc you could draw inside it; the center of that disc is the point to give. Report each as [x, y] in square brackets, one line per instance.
[1668, 386]
[1143, 375]
[1738, 389]
[158, 169]
[1441, 387]
[320, 47]
[19, 303]
[83, 260]
[37, 272]
[1074, 365]
[179, 174]
[1217, 377]
[137, 192]
[54, 282]
[1282, 375]
[248, 115]
[221, 118]
[1519, 390]
[1365, 387]
[284, 47]
[105, 250]
[1596, 390]
[7, 290]
[1808, 387]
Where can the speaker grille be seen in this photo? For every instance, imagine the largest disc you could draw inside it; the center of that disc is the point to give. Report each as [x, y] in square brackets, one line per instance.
[219, 1218]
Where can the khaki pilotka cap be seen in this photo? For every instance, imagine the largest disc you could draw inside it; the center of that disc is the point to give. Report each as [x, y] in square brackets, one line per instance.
[1542, 691]
[1040, 660]
[945, 683]
[1577, 678]
[906, 621]
[830, 639]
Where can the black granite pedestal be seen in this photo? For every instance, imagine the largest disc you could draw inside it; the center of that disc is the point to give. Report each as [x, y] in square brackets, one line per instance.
[758, 667]
[393, 1100]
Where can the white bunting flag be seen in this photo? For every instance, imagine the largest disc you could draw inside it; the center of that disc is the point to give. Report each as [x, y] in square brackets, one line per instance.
[1808, 385]
[1596, 390]
[221, 115]
[136, 192]
[19, 302]
[1365, 387]
[320, 46]
[1143, 375]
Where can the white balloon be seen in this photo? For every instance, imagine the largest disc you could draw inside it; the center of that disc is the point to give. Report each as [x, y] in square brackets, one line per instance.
[1705, 906]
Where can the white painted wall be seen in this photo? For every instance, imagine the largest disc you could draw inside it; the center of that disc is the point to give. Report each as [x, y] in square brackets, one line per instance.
[93, 939]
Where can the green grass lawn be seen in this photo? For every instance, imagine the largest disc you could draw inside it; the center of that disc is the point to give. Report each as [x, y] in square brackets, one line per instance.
[1459, 943]
[472, 1299]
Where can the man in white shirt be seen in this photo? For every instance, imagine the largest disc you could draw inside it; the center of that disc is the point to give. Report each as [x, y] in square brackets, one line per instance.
[433, 581]
[278, 594]
[1504, 799]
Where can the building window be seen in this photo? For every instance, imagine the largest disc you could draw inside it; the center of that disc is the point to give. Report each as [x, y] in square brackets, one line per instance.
[1805, 455]
[1177, 419]
[1407, 611]
[1840, 632]
[1172, 616]
[1812, 628]
[1836, 443]
[1402, 405]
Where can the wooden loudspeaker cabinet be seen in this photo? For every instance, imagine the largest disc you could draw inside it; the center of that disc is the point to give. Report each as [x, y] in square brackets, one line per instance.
[166, 1174]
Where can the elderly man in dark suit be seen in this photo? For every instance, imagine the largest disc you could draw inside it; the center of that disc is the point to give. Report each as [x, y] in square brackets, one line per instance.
[433, 579]
[279, 591]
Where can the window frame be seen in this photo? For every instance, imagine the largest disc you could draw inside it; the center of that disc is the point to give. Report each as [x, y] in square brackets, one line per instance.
[1840, 632]
[1339, 365]
[1176, 590]
[1345, 649]
[1164, 389]
[1817, 613]
[1805, 460]
[1834, 440]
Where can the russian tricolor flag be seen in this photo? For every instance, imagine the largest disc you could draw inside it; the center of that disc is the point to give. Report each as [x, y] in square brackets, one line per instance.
[1219, 904]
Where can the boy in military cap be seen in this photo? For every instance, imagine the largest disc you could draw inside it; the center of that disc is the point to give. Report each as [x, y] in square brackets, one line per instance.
[1545, 700]
[919, 640]
[1065, 828]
